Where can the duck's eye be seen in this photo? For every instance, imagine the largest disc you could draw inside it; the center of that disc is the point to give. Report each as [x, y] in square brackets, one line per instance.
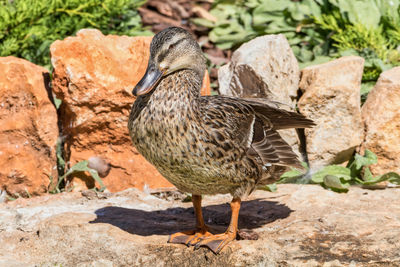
[172, 46]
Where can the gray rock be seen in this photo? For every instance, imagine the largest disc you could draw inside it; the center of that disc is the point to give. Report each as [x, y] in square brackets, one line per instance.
[332, 99]
[264, 67]
[300, 225]
[381, 115]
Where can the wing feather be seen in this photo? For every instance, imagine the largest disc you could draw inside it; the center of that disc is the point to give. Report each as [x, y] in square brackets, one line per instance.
[253, 125]
[271, 148]
[280, 118]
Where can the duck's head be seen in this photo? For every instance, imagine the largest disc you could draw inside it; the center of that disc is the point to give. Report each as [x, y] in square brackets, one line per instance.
[171, 50]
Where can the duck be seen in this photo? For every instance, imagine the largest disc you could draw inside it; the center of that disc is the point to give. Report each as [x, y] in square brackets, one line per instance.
[206, 145]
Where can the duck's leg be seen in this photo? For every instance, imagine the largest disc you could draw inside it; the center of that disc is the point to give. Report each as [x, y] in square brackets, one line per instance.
[193, 236]
[217, 242]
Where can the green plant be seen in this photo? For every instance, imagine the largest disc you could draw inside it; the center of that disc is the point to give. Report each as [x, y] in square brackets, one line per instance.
[339, 178]
[12, 198]
[28, 27]
[81, 166]
[317, 30]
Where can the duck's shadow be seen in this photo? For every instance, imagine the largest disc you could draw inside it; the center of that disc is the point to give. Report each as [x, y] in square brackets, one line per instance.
[253, 214]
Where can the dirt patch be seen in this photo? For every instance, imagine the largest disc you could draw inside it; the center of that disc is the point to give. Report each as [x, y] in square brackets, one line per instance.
[346, 248]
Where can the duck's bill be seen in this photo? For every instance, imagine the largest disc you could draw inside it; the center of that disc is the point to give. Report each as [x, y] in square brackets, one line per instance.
[149, 81]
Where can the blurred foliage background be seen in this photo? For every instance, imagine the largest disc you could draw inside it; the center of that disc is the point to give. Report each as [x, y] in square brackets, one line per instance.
[28, 27]
[318, 30]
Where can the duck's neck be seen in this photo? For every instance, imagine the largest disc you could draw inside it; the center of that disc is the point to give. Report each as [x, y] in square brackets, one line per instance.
[181, 87]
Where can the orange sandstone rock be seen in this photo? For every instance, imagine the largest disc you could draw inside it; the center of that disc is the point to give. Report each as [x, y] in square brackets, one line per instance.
[28, 128]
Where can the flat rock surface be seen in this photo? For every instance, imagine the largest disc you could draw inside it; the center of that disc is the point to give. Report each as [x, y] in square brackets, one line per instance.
[299, 225]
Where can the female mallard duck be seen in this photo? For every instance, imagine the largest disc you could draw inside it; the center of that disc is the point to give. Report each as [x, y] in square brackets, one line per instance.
[205, 144]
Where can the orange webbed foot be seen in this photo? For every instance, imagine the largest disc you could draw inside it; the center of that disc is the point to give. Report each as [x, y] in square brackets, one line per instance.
[216, 242]
[189, 238]
[201, 237]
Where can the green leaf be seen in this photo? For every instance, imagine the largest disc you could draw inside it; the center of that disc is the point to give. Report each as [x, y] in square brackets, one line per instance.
[270, 187]
[312, 7]
[57, 102]
[366, 87]
[365, 12]
[392, 177]
[317, 60]
[292, 173]
[300, 10]
[367, 175]
[369, 158]
[60, 162]
[96, 176]
[332, 170]
[203, 22]
[292, 176]
[336, 183]
[359, 162]
[349, 52]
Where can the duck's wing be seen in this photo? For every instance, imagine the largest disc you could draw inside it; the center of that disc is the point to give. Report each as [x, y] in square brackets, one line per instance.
[234, 122]
[227, 120]
[269, 146]
[280, 118]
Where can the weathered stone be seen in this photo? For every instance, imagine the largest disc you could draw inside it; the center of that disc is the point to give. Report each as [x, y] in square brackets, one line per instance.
[381, 116]
[28, 128]
[332, 99]
[94, 76]
[300, 225]
[264, 67]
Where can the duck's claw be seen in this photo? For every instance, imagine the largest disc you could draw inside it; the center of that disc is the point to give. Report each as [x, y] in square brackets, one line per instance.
[216, 242]
[189, 238]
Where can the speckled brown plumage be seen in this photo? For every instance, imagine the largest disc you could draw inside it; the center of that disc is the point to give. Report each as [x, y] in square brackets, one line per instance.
[202, 144]
[207, 144]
